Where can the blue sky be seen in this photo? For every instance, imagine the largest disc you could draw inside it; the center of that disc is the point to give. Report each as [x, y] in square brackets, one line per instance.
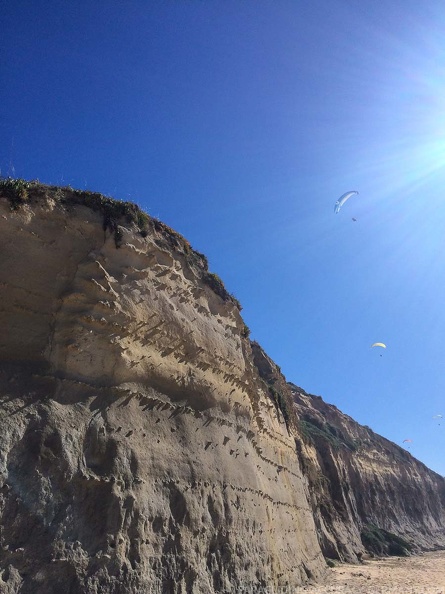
[239, 124]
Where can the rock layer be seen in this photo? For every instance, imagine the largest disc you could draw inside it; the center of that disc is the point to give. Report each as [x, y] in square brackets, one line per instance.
[146, 444]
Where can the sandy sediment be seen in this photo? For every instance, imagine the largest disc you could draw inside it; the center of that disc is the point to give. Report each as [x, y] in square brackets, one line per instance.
[420, 574]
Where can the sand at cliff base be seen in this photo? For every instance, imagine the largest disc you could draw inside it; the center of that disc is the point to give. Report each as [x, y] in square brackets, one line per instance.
[420, 574]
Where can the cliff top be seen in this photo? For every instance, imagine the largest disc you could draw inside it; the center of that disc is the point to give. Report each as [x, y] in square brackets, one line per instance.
[20, 192]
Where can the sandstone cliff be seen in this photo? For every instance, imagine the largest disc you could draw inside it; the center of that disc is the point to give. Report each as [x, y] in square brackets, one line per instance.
[368, 495]
[146, 444]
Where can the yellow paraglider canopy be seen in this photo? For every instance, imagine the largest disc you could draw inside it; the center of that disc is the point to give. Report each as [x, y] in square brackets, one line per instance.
[380, 344]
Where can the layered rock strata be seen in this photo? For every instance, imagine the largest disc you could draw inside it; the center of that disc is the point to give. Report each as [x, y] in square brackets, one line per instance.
[365, 490]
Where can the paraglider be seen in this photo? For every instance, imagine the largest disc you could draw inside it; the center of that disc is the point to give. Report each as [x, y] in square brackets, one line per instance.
[405, 440]
[342, 200]
[379, 344]
[355, 220]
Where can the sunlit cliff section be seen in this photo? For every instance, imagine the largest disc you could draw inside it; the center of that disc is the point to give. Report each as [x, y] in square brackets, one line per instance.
[140, 450]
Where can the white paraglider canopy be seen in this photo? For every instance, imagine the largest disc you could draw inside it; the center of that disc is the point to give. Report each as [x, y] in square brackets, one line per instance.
[343, 199]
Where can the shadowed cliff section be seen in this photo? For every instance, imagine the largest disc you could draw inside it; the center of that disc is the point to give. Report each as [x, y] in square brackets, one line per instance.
[366, 492]
[147, 445]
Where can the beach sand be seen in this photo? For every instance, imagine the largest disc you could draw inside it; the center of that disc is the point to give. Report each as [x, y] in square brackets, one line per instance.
[419, 574]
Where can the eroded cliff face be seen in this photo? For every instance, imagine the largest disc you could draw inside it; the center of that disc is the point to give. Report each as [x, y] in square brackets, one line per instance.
[363, 486]
[368, 495]
[140, 450]
[146, 445]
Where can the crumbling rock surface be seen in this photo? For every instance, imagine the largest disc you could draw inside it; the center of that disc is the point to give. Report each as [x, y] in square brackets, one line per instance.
[140, 451]
[146, 445]
[367, 493]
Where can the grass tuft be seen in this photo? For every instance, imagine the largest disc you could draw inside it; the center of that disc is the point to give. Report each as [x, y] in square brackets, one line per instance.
[15, 190]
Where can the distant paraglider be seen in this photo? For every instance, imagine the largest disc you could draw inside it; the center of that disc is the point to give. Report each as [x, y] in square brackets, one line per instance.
[379, 344]
[342, 200]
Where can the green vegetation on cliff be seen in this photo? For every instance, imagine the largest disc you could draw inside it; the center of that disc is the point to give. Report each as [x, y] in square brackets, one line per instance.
[381, 542]
[311, 429]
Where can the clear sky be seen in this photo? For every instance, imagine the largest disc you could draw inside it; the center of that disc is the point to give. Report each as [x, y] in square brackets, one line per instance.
[239, 123]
